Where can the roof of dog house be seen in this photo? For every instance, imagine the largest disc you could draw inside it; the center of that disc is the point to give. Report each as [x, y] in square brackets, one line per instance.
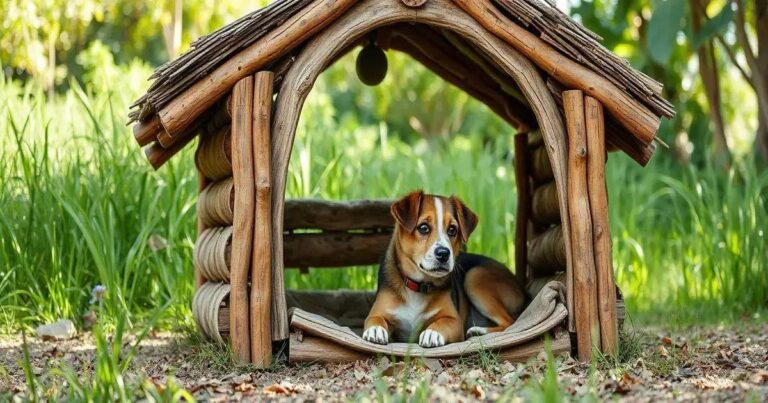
[530, 55]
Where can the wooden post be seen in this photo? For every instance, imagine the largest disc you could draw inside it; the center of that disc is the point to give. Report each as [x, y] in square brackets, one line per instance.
[242, 237]
[601, 232]
[261, 269]
[582, 252]
[523, 183]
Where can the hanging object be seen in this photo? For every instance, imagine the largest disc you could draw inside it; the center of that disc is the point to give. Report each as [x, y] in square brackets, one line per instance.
[371, 64]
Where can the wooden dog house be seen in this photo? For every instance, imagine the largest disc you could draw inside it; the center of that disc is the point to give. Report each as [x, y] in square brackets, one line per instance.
[241, 91]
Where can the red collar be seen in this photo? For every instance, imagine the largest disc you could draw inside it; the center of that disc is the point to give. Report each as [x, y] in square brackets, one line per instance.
[418, 286]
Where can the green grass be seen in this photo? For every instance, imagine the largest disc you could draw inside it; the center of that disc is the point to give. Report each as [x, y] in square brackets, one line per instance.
[79, 203]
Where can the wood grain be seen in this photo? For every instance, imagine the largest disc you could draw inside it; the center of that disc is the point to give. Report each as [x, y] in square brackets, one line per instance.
[546, 252]
[261, 258]
[334, 249]
[523, 184]
[601, 232]
[545, 208]
[585, 287]
[242, 233]
[330, 215]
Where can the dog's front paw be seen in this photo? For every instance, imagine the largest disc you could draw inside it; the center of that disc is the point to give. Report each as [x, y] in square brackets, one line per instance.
[431, 338]
[476, 331]
[376, 334]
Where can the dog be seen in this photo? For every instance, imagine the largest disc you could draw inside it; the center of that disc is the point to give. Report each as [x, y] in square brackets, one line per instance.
[428, 286]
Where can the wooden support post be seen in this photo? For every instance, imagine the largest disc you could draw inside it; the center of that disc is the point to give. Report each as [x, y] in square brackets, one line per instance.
[523, 182]
[202, 182]
[598, 203]
[261, 269]
[242, 237]
[582, 252]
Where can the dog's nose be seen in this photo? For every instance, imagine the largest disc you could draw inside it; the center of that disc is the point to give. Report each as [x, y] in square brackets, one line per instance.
[442, 254]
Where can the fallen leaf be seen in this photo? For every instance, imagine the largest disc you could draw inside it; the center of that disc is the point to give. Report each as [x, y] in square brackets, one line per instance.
[760, 377]
[477, 392]
[278, 389]
[666, 340]
[663, 351]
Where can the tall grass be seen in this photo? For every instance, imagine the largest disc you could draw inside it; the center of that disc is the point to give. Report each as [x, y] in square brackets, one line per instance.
[79, 204]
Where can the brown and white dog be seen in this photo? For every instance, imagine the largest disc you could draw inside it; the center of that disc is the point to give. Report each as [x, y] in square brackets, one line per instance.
[428, 287]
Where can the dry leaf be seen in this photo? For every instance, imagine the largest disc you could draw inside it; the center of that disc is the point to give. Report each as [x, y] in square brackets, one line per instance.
[666, 340]
[663, 351]
[277, 389]
[477, 392]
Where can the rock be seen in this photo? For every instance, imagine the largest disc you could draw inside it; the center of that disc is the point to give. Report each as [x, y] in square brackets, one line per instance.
[61, 330]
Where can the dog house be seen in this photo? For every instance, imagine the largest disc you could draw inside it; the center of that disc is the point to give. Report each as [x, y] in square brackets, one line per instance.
[241, 89]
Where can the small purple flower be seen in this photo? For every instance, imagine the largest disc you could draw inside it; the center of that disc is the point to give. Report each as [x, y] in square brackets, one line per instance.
[98, 293]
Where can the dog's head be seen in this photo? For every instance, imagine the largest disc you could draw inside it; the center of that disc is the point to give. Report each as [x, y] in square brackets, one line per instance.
[431, 230]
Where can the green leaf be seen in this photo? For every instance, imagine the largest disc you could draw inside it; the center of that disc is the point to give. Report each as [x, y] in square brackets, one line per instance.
[716, 26]
[663, 27]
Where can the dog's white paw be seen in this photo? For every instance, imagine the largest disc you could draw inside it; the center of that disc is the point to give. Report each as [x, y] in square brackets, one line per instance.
[431, 338]
[376, 334]
[476, 331]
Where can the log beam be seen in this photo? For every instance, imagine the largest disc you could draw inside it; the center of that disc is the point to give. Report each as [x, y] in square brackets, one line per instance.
[261, 258]
[546, 252]
[638, 119]
[545, 208]
[523, 183]
[334, 249]
[601, 232]
[242, 233]
[583, 267]
[182, 110]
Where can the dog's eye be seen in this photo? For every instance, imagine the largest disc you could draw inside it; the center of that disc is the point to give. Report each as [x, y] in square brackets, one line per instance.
[423, 229]
[452, 230]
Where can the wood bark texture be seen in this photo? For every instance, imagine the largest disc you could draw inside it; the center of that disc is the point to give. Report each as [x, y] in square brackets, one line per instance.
[261, 258]
[601, 231]
[523, 183]
[242, 233]
[334, 249]
[584, 282]
[546, 207]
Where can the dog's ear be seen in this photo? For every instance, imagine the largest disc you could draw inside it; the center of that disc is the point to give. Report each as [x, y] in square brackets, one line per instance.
[406, 210]
[467, 218]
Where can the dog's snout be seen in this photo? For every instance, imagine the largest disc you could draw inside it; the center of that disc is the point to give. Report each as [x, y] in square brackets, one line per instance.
[442, 254]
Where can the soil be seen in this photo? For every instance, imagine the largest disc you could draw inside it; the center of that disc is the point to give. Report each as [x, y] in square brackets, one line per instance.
[700, 363]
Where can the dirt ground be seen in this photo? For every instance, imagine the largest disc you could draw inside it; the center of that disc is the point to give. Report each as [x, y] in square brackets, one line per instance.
[711, 364]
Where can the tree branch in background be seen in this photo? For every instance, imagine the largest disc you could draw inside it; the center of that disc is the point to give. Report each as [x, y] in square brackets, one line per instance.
[711, 81]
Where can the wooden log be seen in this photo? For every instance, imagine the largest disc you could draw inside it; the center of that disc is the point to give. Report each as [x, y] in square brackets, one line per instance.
[598, 203]
[212, 254]
[146, 132]
[213, 250]
[182, 110]
[334, 249]
[362, 18]
[216, 203]
[305, 348]
[616, 136]
[523, 183]
[157, 155]
[261, 268]
[202, 183]
[242, 233]
[584, 282]
[217, 200]
[214, 155]
[337, 216]
[545, 206]
[633, 115]
[541, 169]
[546, 252]
[308, 348]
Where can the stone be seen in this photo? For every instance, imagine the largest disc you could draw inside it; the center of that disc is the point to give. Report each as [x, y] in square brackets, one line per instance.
[61, 330]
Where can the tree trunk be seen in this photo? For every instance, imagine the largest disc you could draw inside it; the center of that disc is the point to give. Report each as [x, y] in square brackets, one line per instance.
[711, 81]
[761, 22]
